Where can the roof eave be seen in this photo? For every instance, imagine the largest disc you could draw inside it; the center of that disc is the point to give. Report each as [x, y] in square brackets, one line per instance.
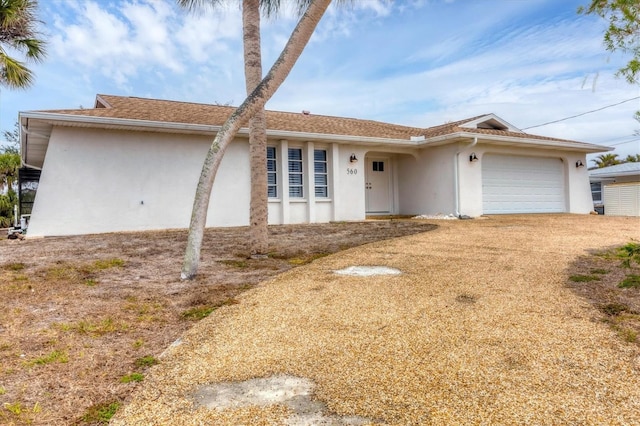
[109, 122]
[148, 125]
[520, 141]
[614, 175]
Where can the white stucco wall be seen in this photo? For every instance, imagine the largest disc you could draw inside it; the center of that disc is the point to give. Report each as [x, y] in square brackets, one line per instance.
[97, 180]
[349, 183]
[426, 183]
[102, 181]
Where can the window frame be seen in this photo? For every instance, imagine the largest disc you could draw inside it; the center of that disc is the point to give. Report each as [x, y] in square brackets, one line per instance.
[323, 187]
[599, 200]
[272, 173]
[296, 172]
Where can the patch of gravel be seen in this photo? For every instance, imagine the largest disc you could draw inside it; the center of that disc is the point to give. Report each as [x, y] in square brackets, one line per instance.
[368, 271]
[479, 329]
[436, 217]
[295, 393]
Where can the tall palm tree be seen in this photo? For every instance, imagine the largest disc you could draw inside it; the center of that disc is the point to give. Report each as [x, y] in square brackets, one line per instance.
[252, 104]
[18, 32]
[259, 207]
[606, 160]
[259, 201]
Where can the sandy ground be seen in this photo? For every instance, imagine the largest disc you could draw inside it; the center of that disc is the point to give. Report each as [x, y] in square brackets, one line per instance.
[480, 328]
[80, 314]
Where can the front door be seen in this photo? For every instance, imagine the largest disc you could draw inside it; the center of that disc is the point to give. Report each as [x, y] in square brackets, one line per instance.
[377, 185]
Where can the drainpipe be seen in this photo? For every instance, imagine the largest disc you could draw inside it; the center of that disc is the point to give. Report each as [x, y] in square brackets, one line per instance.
[27, 132]
[456, 176]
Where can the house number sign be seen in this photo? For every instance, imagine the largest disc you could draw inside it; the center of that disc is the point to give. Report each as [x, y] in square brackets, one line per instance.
[352, 171]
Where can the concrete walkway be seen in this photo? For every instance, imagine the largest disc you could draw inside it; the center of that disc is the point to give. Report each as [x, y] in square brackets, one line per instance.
[479, 328]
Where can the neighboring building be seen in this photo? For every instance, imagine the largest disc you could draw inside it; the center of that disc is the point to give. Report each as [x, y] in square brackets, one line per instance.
[133, 164]
[616, 189]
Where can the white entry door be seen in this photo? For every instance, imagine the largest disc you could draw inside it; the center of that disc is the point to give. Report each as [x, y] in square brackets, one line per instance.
[378, 185]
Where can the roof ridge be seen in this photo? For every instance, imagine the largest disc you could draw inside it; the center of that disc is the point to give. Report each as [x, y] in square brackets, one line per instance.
[165, 100]
[268, 111]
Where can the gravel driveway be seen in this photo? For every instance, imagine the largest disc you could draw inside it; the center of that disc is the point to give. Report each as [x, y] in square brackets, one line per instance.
[479, 328]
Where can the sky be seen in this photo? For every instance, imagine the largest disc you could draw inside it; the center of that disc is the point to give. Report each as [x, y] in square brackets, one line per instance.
[415, 62]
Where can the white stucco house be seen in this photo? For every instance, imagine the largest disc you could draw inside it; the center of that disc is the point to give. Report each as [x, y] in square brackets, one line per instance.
[616, 189]
[133, 164]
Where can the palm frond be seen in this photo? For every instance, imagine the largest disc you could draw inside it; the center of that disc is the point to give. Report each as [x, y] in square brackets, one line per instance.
[13, 73]
[198, 5]
[34, 49]
[18, 30]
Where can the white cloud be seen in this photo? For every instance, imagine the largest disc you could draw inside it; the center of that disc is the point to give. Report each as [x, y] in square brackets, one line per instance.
[415, 62]
[140, 37]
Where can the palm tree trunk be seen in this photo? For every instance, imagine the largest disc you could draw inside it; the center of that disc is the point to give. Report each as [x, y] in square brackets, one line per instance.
[253, 103]
[258, 211]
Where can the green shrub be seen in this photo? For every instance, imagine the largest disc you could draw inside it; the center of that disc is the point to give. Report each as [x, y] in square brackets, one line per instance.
[101, 413]
[629, 252]
[584, 278]
[133, 377]
[146, 361]
[631, 281]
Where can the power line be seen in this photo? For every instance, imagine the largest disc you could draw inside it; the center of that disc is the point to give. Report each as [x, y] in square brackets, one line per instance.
[622, 143]
[584, 113]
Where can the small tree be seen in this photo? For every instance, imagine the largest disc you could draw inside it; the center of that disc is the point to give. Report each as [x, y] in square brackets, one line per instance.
[9, 165]
[12, 137]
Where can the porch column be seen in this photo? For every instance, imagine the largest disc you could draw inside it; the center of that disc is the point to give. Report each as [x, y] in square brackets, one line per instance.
[334, 152]
[310, 184]
[284, 155]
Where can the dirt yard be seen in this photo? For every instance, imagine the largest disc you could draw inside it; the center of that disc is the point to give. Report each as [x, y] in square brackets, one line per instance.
[82, 318]
[479, 326]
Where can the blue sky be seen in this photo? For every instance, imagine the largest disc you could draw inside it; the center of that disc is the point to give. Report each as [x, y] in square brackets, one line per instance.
[414, 62]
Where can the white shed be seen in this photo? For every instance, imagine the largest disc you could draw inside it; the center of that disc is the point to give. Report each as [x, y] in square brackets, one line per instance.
[617, 189]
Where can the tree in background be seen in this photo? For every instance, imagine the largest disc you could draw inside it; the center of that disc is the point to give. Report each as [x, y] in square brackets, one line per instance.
[252, 104]
[632, 158]
[623, 32]
[18, 32]
[9, 165]
[606, 160]
[13, 139]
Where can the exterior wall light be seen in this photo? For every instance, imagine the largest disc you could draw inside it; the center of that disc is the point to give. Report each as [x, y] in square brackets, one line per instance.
[579, 164]
[473, 157]
[353, 159]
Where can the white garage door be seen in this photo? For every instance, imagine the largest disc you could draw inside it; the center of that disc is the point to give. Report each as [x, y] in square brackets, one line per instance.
[515, 184]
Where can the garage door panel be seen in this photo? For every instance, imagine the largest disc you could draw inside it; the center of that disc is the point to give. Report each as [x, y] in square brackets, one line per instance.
[516, 184]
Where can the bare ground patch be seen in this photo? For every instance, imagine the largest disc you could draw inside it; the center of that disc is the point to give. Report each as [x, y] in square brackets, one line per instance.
[610, 280]
[83, 317]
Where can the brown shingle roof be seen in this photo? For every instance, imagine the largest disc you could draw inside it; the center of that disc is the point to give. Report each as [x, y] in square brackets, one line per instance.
[133, 108]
